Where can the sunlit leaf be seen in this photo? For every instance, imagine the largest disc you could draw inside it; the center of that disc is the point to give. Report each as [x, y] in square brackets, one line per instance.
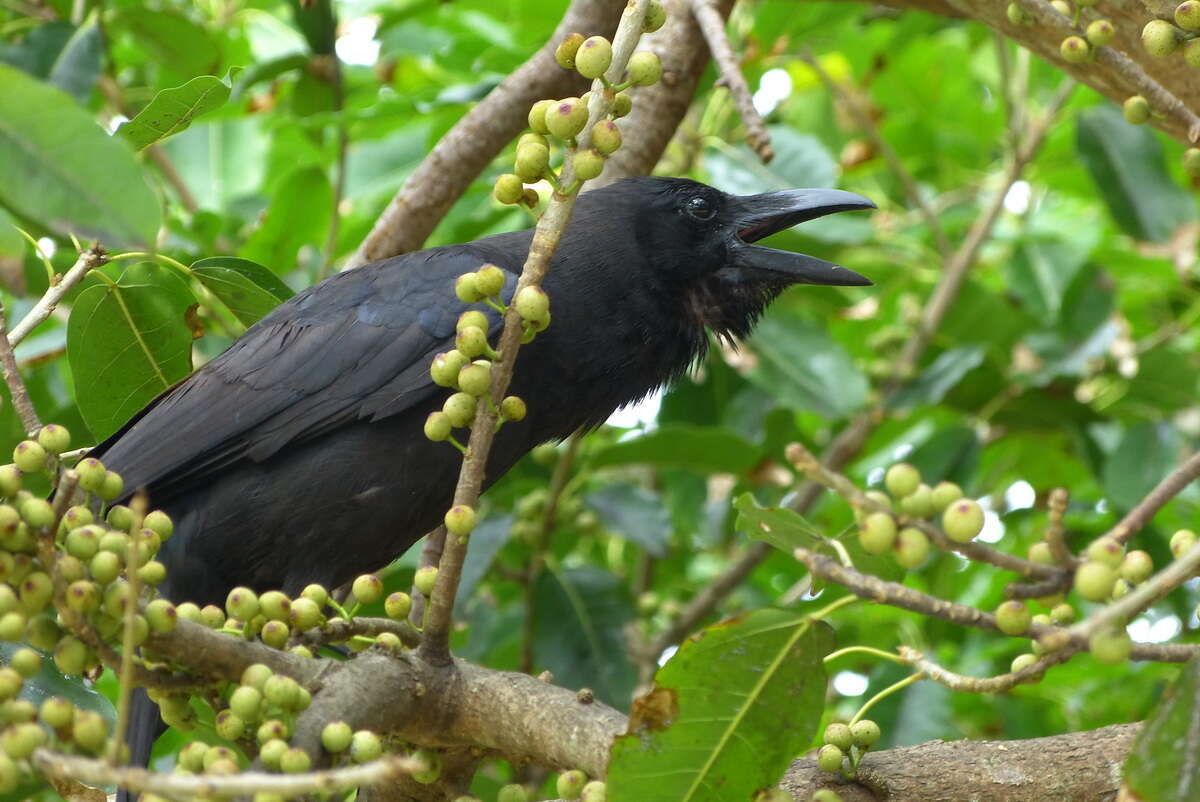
[172, 110]
[248, 289]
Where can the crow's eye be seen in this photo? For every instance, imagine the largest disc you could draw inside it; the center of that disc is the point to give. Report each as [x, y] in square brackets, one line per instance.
[700, 208]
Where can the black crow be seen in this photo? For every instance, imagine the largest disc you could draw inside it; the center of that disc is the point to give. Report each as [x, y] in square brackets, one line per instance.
[298, 455]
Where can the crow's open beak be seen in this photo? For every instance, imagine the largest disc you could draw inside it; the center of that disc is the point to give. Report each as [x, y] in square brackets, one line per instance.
[759, 216]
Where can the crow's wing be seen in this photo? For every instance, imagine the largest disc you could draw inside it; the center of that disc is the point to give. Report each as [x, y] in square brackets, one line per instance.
[357, 346]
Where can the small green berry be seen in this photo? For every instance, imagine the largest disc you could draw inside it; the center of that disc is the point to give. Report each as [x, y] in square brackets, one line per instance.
[570, 784]
[588, 164]
[271, 752]
[471, 341]
[246, 702]
[295, 761]
[1013, 618]
[466, 289]
[425, 578]
[1074, 50]
[365, 746]
[54, 438]
[336, 735]
[912, 547]
[10, 480]
[242, 603]
[1062, 614]
[531, 162]
[26, 662]
[256, 675]
[865, 732]
[71, 655]
[459, 409]
[89, 730]
[37, 512]
[512, 792]
[622, 105]
[398, 605]
[1094, 581]
[490, 281]
[367, 588]
[431, 766]
[508, 189]
[513, 408]
[567, 117]
[878, 533]
[460, 519]
[120, 517]
[29, 456]
[1107, 551]
[1160, 38]
[1017, 14]
[281, 691]
[476, 379]
[1191, 159]
[593, 57]
[645, 68]
[275, 634]
[161, 615]
[919, 503]
[437, 427]
[229, 725]
[594, 791]
[113, 486]
[537, 116]
[963, 520]
[445, 367]
[829, 758]
[656, 16]
[275, 605]
[533, 303]
[1182, 542]
[1062, 7]
[1136, 110]
[1041, 554]
[1101, 33]
[1191, 57]
[564, 54]
[606, 137]
[901, 479]
[305, 614]
[1187, 15]
[839, 735]
[1022, 661]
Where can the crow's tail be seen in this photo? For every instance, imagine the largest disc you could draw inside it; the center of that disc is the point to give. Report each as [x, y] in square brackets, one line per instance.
[144, 728]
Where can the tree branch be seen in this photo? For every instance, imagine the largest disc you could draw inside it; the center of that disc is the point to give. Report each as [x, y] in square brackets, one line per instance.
[712, 25]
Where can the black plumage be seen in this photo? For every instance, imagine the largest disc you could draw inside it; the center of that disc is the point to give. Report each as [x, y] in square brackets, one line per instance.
[298, 456]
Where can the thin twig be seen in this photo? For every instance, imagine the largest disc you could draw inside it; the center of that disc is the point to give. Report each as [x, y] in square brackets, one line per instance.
[804, 461]
[12, 377]
[92, 257]
[1121, 611]
[1171, 486]
[712, 24]
[191, 786]
[435, 639]
[864, 120]
[997, 684]
[337, 630]
[137, 508]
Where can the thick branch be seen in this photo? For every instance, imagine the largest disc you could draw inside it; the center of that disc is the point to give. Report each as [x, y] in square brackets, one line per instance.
[985, 771]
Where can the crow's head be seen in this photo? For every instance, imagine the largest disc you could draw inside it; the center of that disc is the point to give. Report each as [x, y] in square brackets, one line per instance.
[700, 244]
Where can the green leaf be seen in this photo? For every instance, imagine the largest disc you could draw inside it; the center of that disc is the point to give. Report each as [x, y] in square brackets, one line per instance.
[578, 632]
[77, 65]
[940, 377]
[248, 289]
[486, 541]
[1127, 163]
[171, 40]
[172, 110]
[221, 160]
[700, 448]
[128, 342]
[298, 215]
[634, 512]
[1162, 765]
[12, 244]
[726, 714]
[1144, 454]
[780, 527]
[802, 367]
[59, 168]
[1040, 271]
